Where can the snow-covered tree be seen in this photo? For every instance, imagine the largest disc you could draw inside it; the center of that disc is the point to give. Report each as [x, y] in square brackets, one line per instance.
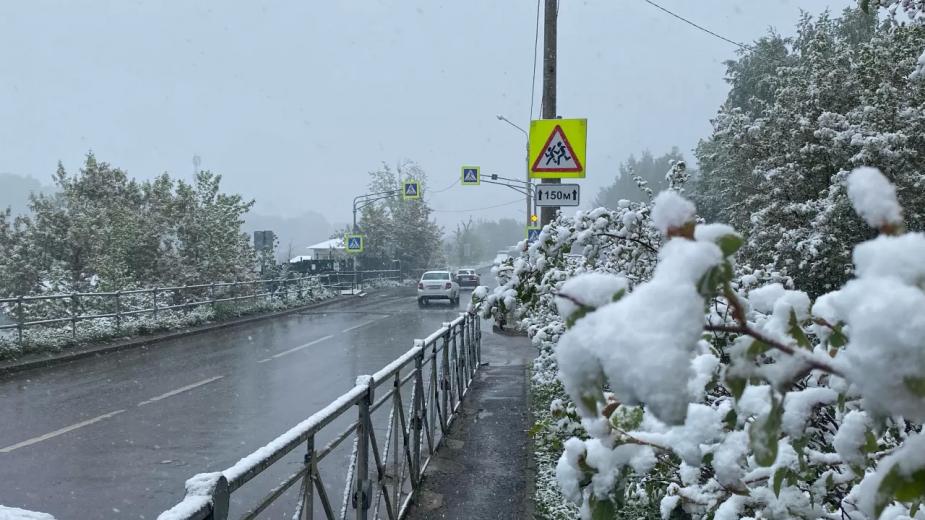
[801, 114]
[648, 168]
[398, 229]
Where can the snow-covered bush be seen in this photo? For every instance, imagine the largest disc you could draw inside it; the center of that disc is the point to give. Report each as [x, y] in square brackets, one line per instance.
[700, 388]
[723, 402]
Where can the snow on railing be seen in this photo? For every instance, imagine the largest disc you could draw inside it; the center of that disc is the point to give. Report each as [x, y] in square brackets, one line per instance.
[120, 308]
[436, 373]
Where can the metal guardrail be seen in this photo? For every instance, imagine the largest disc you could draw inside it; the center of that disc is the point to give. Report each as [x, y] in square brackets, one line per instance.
[63, 309]
[381, 479]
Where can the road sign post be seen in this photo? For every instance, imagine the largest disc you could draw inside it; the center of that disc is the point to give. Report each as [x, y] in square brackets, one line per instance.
[557, 195]
[471, 176]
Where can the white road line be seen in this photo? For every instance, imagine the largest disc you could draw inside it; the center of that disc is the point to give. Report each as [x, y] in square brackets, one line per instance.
[296, 349]
[56, 433]
[355, 327]
[180, 390]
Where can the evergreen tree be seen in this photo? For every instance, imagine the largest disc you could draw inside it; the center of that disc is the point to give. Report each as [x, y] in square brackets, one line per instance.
[649, 168]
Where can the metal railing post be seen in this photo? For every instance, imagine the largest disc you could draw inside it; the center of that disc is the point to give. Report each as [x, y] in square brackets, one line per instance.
[445, 382]
[417, 417]
[435, 391]
[212, 295]
[256, 290]
[154, 299]
[363, 487]
[20, 319]
[221, 498]
[118, 310]
[464, 354]
[399, 437]
[74, 310]
[301, 278]
[308, 490]
[458, 372]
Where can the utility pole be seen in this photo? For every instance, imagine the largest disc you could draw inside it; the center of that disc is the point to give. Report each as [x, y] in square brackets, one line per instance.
[549, 86]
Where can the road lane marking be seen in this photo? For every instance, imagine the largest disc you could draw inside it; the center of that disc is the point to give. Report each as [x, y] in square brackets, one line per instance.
[180, 390]
[56, 433]
[355, 327]
[296, 349]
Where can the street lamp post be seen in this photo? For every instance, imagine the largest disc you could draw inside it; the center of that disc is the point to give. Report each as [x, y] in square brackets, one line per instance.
[526, 162]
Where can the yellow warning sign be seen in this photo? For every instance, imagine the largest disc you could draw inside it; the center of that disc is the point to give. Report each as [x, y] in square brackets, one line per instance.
[557, 148]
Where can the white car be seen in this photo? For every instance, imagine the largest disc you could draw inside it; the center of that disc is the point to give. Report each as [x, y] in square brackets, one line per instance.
[437, 285]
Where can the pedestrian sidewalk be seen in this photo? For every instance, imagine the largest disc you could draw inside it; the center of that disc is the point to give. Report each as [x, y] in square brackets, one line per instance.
[484, 470]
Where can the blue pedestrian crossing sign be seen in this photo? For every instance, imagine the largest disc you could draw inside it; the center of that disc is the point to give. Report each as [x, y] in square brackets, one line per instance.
[410, 190]
[533, 234]
[471, 176]
[354, 243]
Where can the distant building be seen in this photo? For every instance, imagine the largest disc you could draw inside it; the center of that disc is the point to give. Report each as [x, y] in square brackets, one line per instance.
[332, 249]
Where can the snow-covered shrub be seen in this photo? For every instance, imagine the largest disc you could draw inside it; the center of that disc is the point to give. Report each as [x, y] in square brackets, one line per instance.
[716, 401]
[707, 389]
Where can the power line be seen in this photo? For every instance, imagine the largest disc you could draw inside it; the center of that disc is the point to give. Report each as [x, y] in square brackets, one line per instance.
[477, 209]
[444, 189]
[702, 28]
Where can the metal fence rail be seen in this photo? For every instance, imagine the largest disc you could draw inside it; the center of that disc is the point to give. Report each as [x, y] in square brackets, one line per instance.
[119, 306]
[424, 387]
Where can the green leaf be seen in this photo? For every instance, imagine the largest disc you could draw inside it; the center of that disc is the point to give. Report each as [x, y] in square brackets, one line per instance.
[729, 244]
[576, 315]
[915, 384]
[899, 485]
[731, 419]
[603, 510]
[707, 459]
[838, 339]
[865, 6]
[830, 481]
[617, 295]
[779, 480]
[536, 429]
[796, 331]
[757, 348]
[764, 433]
[627, 418]
[736, 385]
[870, 443]
[709, 282]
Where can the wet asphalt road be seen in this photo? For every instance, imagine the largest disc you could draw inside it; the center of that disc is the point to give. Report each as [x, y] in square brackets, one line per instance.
[116, 436]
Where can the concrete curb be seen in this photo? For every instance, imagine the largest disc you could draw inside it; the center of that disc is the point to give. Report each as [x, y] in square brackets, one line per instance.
[97, 349]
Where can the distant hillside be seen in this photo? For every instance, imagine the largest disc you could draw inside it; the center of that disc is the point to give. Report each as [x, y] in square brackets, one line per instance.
[15, 190]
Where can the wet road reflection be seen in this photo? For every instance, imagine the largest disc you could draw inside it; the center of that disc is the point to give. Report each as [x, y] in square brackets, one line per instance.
[117, 435]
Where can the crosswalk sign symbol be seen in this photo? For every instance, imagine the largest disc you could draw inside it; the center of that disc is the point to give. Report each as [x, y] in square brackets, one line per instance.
[411, 190]
[533, 234]
[354, 243]
[557, 148]
[471, 176]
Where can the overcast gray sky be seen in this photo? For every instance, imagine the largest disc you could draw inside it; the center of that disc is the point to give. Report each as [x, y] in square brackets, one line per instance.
[293, 102]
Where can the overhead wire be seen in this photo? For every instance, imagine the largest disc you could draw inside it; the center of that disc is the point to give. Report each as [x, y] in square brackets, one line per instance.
[702, 28]
[447, 188]
[478, 209]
